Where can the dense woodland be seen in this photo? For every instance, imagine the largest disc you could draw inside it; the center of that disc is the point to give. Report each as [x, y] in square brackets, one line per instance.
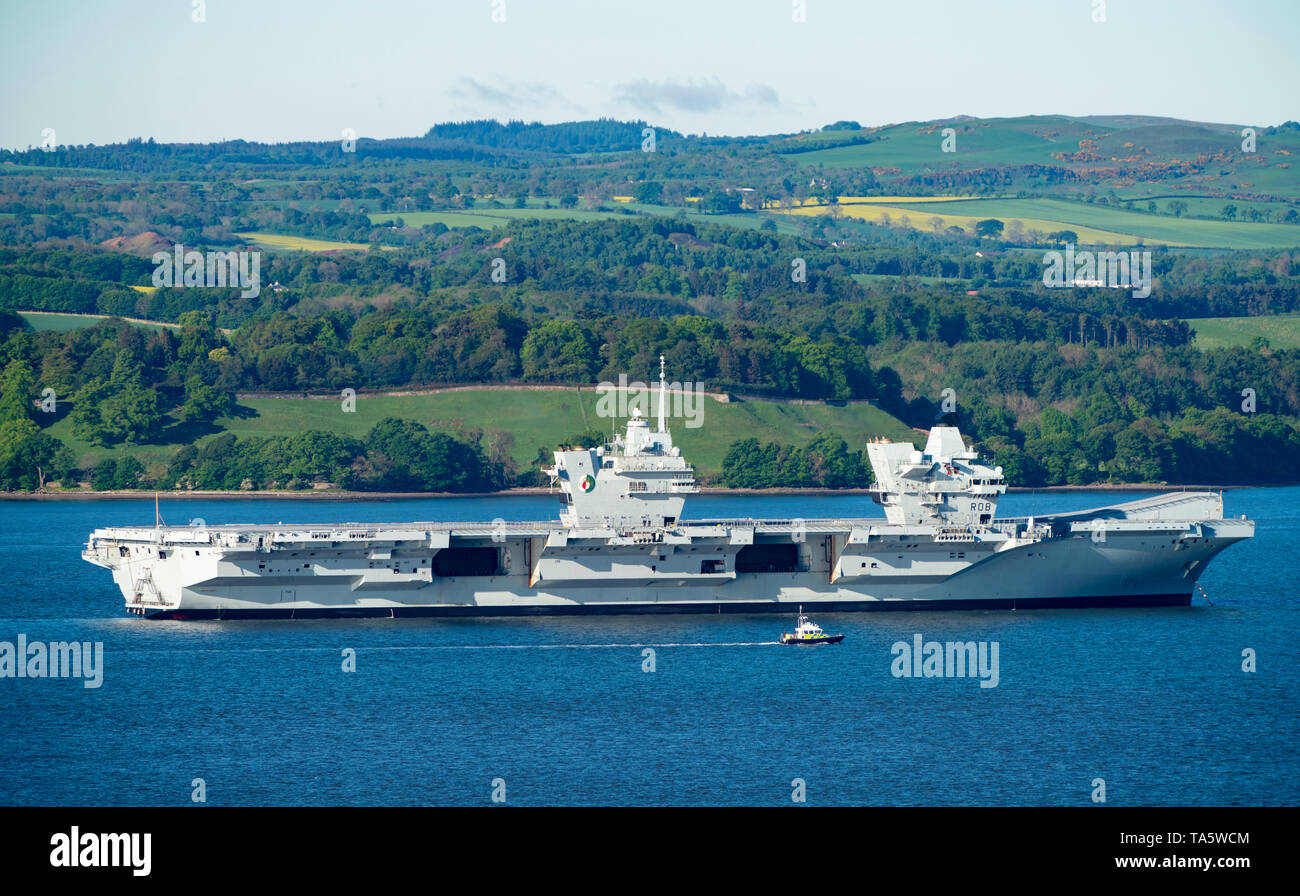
[1060, 386]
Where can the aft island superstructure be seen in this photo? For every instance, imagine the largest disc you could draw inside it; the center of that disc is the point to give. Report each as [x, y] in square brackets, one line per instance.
[621, 545]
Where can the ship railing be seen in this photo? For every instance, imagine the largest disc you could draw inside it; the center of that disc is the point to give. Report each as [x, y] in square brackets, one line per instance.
[750, 522]
[650, 463]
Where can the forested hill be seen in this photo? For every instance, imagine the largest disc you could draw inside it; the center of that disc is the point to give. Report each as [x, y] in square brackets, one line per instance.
[605, 135]
[477, 141]
[1052, 155]
[842, 264]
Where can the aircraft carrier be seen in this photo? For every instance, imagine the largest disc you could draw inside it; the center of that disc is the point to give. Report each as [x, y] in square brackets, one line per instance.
[621, 545]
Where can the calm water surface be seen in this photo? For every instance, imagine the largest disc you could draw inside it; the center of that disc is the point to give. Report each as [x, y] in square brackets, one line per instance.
[1153, 701]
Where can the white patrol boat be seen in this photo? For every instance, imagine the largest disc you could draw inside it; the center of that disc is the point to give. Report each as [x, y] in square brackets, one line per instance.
[807, 632]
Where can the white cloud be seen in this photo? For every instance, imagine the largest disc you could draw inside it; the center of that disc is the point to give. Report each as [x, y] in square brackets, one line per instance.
[691, 96]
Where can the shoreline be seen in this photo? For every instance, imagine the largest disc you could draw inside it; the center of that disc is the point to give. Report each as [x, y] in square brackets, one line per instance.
[539, 491]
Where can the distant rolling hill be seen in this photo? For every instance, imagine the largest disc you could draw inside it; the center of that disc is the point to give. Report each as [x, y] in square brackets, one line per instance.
[1133, 155]
[1116, 180]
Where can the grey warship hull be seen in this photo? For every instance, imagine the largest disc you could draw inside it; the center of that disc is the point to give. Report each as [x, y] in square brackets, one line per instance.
[1141, 553]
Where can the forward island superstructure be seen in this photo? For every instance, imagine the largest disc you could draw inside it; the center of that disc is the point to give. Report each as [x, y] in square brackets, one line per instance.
[622, 546]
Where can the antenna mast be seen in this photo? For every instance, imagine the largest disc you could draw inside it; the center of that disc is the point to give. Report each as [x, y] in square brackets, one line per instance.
[663, 392]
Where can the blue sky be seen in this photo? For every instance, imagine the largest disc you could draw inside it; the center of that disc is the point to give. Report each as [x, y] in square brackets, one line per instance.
[100, 72]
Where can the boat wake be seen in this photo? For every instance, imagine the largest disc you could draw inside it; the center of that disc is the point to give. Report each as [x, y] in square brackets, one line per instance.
[584, 646]
[360, 649]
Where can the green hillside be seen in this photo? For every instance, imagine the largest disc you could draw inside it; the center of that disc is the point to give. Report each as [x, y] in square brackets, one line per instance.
[1281, 330]
[1148, 150]
[533, 420]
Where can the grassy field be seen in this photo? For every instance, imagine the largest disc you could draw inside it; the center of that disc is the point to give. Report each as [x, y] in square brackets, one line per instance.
[537, 420]
[747, 220]
[1151, 228]
[488, 218]
[300, 243]
[992, 142]
[1094, 224]
[1281, 330]
[51, 320]
[920, 219]
[869, 279]
[1201, 206]
[878, 200]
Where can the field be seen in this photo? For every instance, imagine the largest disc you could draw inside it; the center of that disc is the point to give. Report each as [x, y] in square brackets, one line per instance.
[1151, 228]
[488, 218]
[1199, 206]
[1281, 330]
[1094, 224]
[920, 219]
[1161, 160]
[538, 419]
[300, 243]
[869, 279]
[748, 220]
[992, 142]
[51, 320]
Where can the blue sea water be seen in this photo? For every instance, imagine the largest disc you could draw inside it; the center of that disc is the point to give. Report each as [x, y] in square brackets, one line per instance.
[1153, 701]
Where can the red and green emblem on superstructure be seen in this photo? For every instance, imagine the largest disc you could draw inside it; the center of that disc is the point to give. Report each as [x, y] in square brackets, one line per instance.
[588, 483]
